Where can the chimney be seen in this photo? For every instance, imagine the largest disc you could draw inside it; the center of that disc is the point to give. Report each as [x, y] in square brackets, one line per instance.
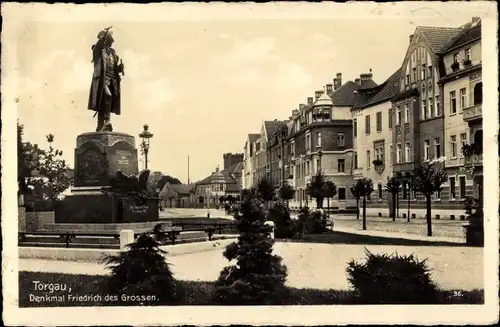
[317, 94]
[295, 112]
[335, 84]
[290, 118]
[339, 79]
[329, 88]
[365, 77]
[301, 106]
[411, 37]
[357, 81]
[310, 100]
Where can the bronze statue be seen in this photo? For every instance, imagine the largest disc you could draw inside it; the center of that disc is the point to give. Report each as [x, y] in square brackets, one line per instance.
[105, 88]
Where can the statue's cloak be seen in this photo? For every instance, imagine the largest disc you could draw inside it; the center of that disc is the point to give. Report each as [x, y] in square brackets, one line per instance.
[97, 85]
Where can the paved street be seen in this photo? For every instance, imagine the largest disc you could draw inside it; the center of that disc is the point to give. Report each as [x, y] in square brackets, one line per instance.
[320, 266]
[192, 213]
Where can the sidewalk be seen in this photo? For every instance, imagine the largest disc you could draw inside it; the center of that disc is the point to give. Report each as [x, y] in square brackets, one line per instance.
[401, 235]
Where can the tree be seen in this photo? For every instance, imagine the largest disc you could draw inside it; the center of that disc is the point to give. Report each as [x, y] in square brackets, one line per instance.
[428, 180]
[265, 190]
[141, 270]
[356, 193]
[166, 178]
[54, 173]
[393, 187]
[316, 188]
[153, 183]
[286, 192]
[363, 188]
[27, 156]
[258, 276]
[330, 192]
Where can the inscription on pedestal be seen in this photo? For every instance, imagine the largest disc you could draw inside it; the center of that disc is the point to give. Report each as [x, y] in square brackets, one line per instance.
[123, 157]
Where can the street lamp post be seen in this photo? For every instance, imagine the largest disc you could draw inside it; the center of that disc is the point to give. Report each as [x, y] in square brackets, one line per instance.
[145, 136]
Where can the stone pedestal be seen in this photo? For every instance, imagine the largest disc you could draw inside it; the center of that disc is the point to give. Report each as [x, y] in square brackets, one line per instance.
[98, 156]
[126, 238]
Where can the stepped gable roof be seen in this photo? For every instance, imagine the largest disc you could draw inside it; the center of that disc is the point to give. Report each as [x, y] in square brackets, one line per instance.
[439, 38]
[389, 89]
[253, 137]
[272, 126]
[472, 31]
[345, 96]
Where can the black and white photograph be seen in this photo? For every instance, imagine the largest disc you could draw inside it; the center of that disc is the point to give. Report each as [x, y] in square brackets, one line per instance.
[242, 163]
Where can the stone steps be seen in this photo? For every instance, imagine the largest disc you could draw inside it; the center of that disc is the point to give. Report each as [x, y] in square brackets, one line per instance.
[71, 245]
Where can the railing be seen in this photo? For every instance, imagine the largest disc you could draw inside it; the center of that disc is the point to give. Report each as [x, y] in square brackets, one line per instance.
[473, 160]
[171, 233]
[473, 113]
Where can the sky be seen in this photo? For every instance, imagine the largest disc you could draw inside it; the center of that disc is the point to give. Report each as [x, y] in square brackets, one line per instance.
[201, 86]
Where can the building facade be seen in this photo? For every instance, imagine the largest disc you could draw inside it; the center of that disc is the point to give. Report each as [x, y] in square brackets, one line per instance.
[232, 159]
[249, 161]
[463, 94]
[372, 128]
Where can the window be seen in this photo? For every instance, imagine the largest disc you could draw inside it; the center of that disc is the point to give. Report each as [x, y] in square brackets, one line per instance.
[398, 115]
[461, 182]
[368, 160]
[308, 142]
[455, 57]
[355, 160]
[379, 121]
[431, 107]
[437, 195]
[318, 164]
[429, 71]
[398, 153]
[424, 109]
[407, 151]
[407, 79]
[390, 117]
[341, 165]
[340, 139]
[380, 194]
[437, 147]
[367, 124]
[463, 98]
[391, 149]
[318, 136]
[355, 127]
[422, 72]
[453, 102]
[308, 168]
[414, 74]
[426, 150]
[467, 54]
[438, 106]
[463, 140]
[407, 113]
[452, 188]
[341, 193]
[453, 146]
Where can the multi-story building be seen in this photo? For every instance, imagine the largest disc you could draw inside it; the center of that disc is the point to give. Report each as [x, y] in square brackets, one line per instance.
[463, 94]
[232, 158]
[249, 160]
[321, 137]
[372, 135]
[418, 115]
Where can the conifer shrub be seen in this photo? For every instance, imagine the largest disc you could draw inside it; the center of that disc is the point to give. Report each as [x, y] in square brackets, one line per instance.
[392, 279]
[142, 270]
[280, 215]
[310, 222]
[257, 277]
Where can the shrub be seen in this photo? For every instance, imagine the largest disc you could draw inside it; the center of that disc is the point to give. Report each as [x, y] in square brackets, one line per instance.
[142, 270]
[310, 222]
[280, 215]
[392, 279]
[474, 231]
[258, 276]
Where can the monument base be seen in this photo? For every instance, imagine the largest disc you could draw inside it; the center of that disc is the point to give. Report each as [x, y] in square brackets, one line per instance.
[92, 206]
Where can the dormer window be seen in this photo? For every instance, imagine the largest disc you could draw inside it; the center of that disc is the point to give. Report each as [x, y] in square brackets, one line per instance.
[455, 58]
[467, 54]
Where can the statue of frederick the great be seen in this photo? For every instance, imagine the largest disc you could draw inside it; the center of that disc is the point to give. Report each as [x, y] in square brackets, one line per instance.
[105, 88]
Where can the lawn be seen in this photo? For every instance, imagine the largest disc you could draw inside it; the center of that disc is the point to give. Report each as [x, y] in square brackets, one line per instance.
[86, 290]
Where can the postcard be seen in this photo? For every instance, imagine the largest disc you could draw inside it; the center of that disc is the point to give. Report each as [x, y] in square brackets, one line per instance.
[259, 164]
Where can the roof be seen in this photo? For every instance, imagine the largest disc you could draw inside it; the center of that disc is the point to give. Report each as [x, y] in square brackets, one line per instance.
[253, 137]
[324, 100]
[345, 95]
[368, 84]
[182, 188]
[172, 190]
[472, 32]
[439, 38]
[272, 126]
[389, 89]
